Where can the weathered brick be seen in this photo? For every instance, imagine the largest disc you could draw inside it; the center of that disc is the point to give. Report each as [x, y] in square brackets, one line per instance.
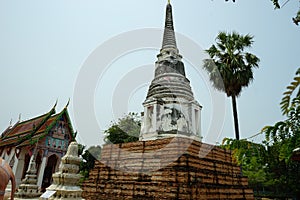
[166, 169]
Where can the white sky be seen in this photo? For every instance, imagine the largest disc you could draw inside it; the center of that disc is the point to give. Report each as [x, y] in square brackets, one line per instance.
[44, 45]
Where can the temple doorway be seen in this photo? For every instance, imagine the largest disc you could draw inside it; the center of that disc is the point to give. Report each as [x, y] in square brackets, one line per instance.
[26, 164]
[49, 170]
[38, 162]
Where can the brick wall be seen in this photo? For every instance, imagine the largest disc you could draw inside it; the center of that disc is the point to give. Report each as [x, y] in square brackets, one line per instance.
[173, 168]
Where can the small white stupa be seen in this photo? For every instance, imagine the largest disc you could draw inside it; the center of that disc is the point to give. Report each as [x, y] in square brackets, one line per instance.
[66, 180]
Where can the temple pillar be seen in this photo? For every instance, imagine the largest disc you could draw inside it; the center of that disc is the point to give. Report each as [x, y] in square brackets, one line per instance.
[41, 172]
[14, 168]
[19, 168]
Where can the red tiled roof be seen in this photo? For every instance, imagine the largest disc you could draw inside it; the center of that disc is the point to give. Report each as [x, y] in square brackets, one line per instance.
[32, 140]
[21, 128]
[47, 123]
[30, 130]
[41, 131]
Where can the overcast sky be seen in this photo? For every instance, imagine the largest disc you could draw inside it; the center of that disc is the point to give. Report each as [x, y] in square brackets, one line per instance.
[45, 45]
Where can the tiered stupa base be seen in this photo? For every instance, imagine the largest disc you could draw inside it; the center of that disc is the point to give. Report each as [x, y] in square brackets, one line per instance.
[66, 180]
[173, 168]
[28, 191]
[29, 188]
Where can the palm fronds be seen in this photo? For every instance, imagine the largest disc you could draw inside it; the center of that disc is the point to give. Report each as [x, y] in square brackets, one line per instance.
[285, 102]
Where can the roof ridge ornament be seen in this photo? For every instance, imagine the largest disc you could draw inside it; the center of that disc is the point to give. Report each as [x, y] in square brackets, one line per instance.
[53, 108]
[66, 106]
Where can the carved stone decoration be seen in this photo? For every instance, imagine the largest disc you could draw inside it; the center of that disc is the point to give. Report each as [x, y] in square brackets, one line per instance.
[29, 188]
[66, 180]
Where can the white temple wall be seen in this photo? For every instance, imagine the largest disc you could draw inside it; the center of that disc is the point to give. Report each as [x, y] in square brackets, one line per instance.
[177, 117]
[15, 164]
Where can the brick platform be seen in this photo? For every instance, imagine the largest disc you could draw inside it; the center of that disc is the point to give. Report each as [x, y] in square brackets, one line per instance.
[173, 168]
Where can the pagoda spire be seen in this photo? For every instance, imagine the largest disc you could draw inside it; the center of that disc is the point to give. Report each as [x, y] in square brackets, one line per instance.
[169, 40]
[170, 109]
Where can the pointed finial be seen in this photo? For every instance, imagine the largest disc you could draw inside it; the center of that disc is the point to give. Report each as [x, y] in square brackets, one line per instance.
[55, 104]
[20, 117]
[169, 35]
[53, 108]
[67, 104]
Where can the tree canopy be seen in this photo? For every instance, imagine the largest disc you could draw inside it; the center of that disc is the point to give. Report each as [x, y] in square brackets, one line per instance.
[251, 157]
[89, 156]
[286, 134]
[231, 67]
[270, 167]
[127, 129]
[277, 5]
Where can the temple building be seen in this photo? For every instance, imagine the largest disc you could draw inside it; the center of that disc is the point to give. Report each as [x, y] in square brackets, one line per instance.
[170, 109]
[170, 161]
[46, 136]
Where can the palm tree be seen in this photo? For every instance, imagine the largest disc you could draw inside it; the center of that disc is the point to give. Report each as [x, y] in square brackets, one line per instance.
[230, 68]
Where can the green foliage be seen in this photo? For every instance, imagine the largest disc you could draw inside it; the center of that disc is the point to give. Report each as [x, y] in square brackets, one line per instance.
[282, 174]
[270, 167]
[127, 129]
[267, 175]
[230, 67]
[251, 157]
[285, 102]
[243, 150]
[295, 19]
[255, 171]
[276, 4]
[286, 134]
[281, 140]
[230, 64]
[80, 149]
[89, 157]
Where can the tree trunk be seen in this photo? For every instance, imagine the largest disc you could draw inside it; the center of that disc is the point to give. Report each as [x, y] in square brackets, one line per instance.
[235, 117]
